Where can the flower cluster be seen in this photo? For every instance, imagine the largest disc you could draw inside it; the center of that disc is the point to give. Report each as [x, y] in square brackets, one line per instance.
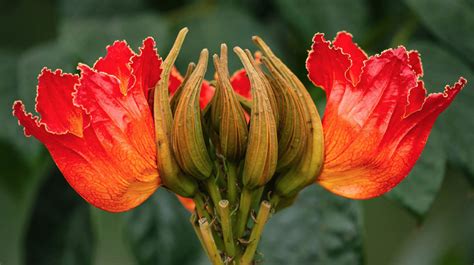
[131, 123]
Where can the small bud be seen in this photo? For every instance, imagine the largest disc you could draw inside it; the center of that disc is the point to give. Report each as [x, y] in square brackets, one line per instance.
[267, 86]
[307, 169]
[188, 140]
[226, 109]
[262, 149]
[168, 169]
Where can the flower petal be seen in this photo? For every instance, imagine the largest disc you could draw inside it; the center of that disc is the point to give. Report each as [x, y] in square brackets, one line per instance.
[344, 41]
[327, 66]
[146, 67]
[117, 63]
[374, 129]
[207, 92]
[241, 83]
[54, 103]
[99, 94]
[415, 62]
[187, 203]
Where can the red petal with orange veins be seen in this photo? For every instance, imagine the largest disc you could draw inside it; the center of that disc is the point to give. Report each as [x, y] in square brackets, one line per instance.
[103, 169]
[374, 129]
[336, 63]
[54, 103]
[117, 63]
[146, 67]
[241, 83]
[344, 41]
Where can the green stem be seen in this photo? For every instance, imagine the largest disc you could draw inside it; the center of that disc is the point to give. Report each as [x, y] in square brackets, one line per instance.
[275, 200]
[262, 218]
[244, 211]
[213, 191]
[201, 207]
[257, 197]
[226, 225]
[232, 183]
[209, 242]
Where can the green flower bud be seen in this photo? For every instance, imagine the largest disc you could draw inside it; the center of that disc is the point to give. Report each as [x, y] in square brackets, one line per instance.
[262, 149]
[189, 144]
[228, 113]
[170, 173]
[292, 127]
[303, 173]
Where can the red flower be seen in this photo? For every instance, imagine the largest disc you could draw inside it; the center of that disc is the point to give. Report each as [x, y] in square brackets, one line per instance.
[98, 126]
[377, 118]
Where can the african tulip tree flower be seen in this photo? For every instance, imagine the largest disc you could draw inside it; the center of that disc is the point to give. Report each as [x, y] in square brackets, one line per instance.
[98, 126]
[248, 141]
[377, 118]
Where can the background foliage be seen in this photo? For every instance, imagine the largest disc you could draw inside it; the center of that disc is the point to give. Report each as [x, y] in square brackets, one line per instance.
[428, 219]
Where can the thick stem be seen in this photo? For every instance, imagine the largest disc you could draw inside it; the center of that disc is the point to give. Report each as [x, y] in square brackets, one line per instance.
[232, 183]
[214, 191]
[226, 225]
[209, 242]
[262, 218]
[244, 211]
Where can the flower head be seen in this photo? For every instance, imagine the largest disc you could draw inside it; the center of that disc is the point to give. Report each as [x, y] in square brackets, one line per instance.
[377, 118]
[98, 126]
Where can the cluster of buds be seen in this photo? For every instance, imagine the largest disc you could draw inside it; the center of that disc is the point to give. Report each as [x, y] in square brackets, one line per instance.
[236, 156]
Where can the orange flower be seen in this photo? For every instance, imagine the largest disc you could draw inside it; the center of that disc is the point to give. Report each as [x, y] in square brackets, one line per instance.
[98, 126]
[377, 118]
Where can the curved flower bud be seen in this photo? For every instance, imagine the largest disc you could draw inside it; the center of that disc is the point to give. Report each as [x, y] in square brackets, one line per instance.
[98, 127]
[262, 149]
[227, 113]
[189, 143]
[377, 118]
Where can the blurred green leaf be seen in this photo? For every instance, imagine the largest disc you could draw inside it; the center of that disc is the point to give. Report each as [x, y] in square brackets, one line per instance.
[15, 171]
[450, 20]
[210, 27]
[103, 8]
[320, 228]
[60, 228]
[159, 232]
[311, 16]
[456, 124]
[20, 158]
[417, 192]
[8, 90]
[87, 39]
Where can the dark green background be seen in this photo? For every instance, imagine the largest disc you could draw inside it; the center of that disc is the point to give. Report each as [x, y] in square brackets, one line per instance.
[428, 219]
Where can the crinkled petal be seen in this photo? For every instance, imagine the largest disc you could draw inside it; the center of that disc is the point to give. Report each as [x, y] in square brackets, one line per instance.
[344, 41]
[54, 103]
[146, 67]
[117, 63]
